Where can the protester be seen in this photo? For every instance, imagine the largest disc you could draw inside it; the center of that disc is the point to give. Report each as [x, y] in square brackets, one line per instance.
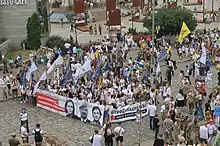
[24, 133]
[119, 135]
[96, 139]
[13, 141]
[38, 135]
[24, 118]
[108, 135]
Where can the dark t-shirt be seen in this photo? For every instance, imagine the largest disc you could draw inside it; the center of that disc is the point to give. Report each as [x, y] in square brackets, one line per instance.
[158, 142]
[156, 123]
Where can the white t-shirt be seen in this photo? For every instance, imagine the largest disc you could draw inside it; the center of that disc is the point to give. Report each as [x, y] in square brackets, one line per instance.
[180, 50]
[119, 131]
[23, 131]
[152, 110]
[203, 132]
[97, 140]
[209, 76]
[23, 116]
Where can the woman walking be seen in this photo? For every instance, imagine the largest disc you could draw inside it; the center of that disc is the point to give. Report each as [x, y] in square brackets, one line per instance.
[24, 118]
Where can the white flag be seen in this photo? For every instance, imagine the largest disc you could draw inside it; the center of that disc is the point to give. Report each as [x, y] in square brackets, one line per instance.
[58, 61]
[35, 87]
[83, 69]
[43, 76]
[158, 68]
[32, 69]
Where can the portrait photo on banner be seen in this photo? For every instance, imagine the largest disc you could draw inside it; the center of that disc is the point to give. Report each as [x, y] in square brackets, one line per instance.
[84, 111]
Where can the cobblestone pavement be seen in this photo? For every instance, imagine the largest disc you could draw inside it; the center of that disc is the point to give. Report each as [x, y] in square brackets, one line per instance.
[74, 132]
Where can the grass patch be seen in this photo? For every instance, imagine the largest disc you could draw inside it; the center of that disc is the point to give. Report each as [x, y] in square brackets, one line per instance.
[13, 54]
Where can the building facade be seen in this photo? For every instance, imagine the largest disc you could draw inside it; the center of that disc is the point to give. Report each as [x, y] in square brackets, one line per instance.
[14, 15]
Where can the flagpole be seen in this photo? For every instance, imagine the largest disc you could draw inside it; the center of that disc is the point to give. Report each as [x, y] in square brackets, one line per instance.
[153, 35]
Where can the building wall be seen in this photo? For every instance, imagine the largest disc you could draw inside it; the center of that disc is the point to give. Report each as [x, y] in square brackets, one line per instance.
[13, 19]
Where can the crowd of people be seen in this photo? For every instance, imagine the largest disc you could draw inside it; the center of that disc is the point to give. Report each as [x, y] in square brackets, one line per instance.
[118, 78]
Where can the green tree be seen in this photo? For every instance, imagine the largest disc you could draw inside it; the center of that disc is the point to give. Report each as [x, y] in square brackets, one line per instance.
[170, 20]
[33, 32]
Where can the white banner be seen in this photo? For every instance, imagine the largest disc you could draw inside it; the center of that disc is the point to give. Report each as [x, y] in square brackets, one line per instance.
[128, 112]
[78, 109]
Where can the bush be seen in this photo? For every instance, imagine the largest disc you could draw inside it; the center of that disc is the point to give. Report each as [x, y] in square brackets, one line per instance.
[170, 20]
[55, 41]
[132, 30]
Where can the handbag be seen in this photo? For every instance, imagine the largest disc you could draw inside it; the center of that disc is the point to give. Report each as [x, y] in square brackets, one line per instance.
[91, 140]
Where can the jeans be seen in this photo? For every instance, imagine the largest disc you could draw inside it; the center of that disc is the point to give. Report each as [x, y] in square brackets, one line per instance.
[23, 97]
[156, 132]
[152, 122]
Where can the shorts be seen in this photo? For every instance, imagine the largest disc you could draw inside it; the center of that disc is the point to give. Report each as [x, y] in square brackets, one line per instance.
[9, 86]
[119, 138]
[203, 140]
[14, 91]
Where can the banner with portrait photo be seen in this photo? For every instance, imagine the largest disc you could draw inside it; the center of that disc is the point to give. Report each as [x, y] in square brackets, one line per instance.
[128, 112]
[86, 112]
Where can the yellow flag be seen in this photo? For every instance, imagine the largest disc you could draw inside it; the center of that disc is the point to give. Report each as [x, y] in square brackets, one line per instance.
[96, 54]
[100, 81]
[85, 79]
[183, 33]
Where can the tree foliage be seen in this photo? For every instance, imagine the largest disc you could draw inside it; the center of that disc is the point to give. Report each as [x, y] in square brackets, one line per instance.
[170, 20]
[33, 32]
[56, 41]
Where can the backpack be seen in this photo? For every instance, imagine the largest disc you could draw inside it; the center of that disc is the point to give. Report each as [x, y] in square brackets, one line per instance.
[37, 136]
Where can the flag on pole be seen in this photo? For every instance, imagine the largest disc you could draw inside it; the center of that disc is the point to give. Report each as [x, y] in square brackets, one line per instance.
[184, 32]
[162, 55]
[42, 78]
[158, 68]
[32, 69]
[83, 69]
[35, 87]
[57, 62]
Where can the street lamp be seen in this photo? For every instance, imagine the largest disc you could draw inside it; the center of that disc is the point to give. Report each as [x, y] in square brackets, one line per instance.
[132, 18]
[153, 31]
[74, 20]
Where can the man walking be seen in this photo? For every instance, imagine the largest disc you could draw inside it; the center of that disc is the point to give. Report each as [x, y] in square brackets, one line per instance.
[152, 112]
[96, 139]
[38, 135]
[119, 132]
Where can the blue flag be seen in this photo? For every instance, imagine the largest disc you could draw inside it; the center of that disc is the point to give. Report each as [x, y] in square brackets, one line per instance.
[199, 113]
[162, 55]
